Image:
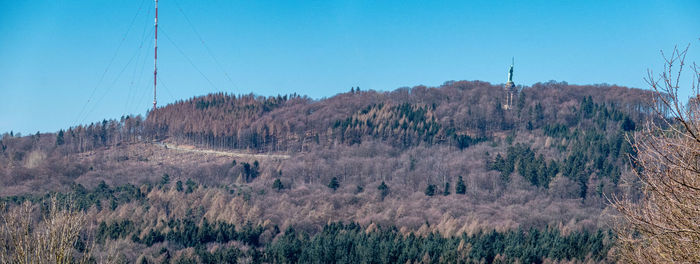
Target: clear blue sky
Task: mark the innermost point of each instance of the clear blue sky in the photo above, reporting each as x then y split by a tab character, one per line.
56	66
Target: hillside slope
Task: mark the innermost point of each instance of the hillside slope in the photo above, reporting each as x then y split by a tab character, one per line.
447	159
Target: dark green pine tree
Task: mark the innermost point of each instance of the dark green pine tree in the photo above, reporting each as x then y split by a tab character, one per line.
334	184
178	186
383	189
628	124
430	190
191	186
446	191
165	179
59	138
277	185
461	188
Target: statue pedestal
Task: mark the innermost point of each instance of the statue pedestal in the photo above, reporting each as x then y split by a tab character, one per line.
510	90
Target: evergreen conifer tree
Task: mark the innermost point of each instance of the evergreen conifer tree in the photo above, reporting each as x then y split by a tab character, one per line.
430	190
383	189
277	185
334	184
59	138
461	188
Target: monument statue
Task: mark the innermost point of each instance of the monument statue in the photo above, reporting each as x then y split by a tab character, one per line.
510	88
510	72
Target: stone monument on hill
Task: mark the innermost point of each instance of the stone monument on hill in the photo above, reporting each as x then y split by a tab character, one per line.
510	89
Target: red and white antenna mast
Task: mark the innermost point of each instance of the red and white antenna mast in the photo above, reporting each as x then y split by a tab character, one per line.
155	59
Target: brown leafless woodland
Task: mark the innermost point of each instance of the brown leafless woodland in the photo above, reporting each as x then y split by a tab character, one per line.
664	225
406	139
25	240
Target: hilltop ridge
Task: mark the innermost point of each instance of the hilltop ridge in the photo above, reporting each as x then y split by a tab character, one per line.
405	117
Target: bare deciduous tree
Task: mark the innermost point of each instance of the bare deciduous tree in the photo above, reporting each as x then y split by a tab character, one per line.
664	224
53	240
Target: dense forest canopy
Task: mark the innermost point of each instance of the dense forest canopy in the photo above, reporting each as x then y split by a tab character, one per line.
404	117
444	170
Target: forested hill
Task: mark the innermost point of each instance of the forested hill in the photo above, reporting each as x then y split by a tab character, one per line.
456	114
555	127
418	174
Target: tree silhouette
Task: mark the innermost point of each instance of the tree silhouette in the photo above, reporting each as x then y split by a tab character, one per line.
430	190
662	227
277	185
461	188
333	184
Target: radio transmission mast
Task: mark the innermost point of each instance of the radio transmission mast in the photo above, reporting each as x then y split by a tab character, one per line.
155	59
